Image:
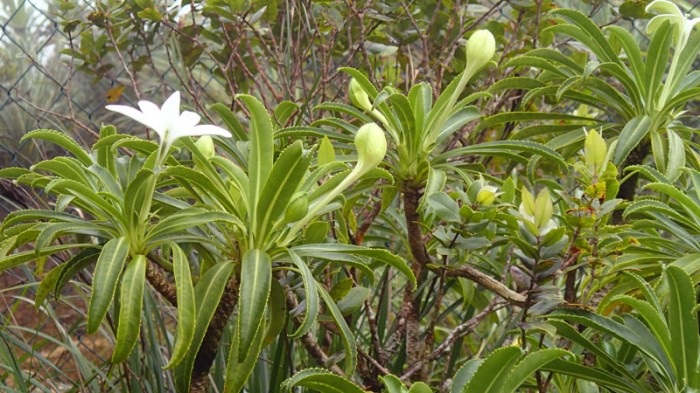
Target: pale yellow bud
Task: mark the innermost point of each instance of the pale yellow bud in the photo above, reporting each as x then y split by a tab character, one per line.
370	144
358	96
206	146
480	50
487	195
594	151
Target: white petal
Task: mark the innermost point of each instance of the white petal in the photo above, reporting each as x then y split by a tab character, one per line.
154	118
171	106
207	129
129	112
188	119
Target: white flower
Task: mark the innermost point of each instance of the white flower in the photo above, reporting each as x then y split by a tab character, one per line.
167	121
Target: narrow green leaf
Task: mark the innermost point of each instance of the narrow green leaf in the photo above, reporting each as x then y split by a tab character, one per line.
238	371
207	295
599	45
657	60
683	324
379	255
346	335
284	179
676	156
256	275
503	148
465	374
277	307
567	331
528	365
326	154
320	380
104	284
62	140
634	132
311	296
47	284
597	375
231	121
185	306
131	303
492	372
262	149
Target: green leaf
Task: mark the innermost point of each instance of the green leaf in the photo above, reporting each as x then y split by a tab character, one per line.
676	156
256	275
62	140
657	61
320	380
491	373
420	387
326	154
503	148
207	294
185	306
85	197
683	324
262	149
284	179
231	121
598	43
237	370
345	334
311	296
353	300
131	303
379	255
444	207
567	331
392	384
598	375
465	374
277	307
634	55
635	130
104	284
528	365
190	218
48	283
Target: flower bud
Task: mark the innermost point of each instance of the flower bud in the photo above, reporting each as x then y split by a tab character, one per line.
594	151
206	146
297	208
370	144
487	195
358	96
480	50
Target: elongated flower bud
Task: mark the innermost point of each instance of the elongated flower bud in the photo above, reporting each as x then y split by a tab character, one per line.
480	50
370	144
358	96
